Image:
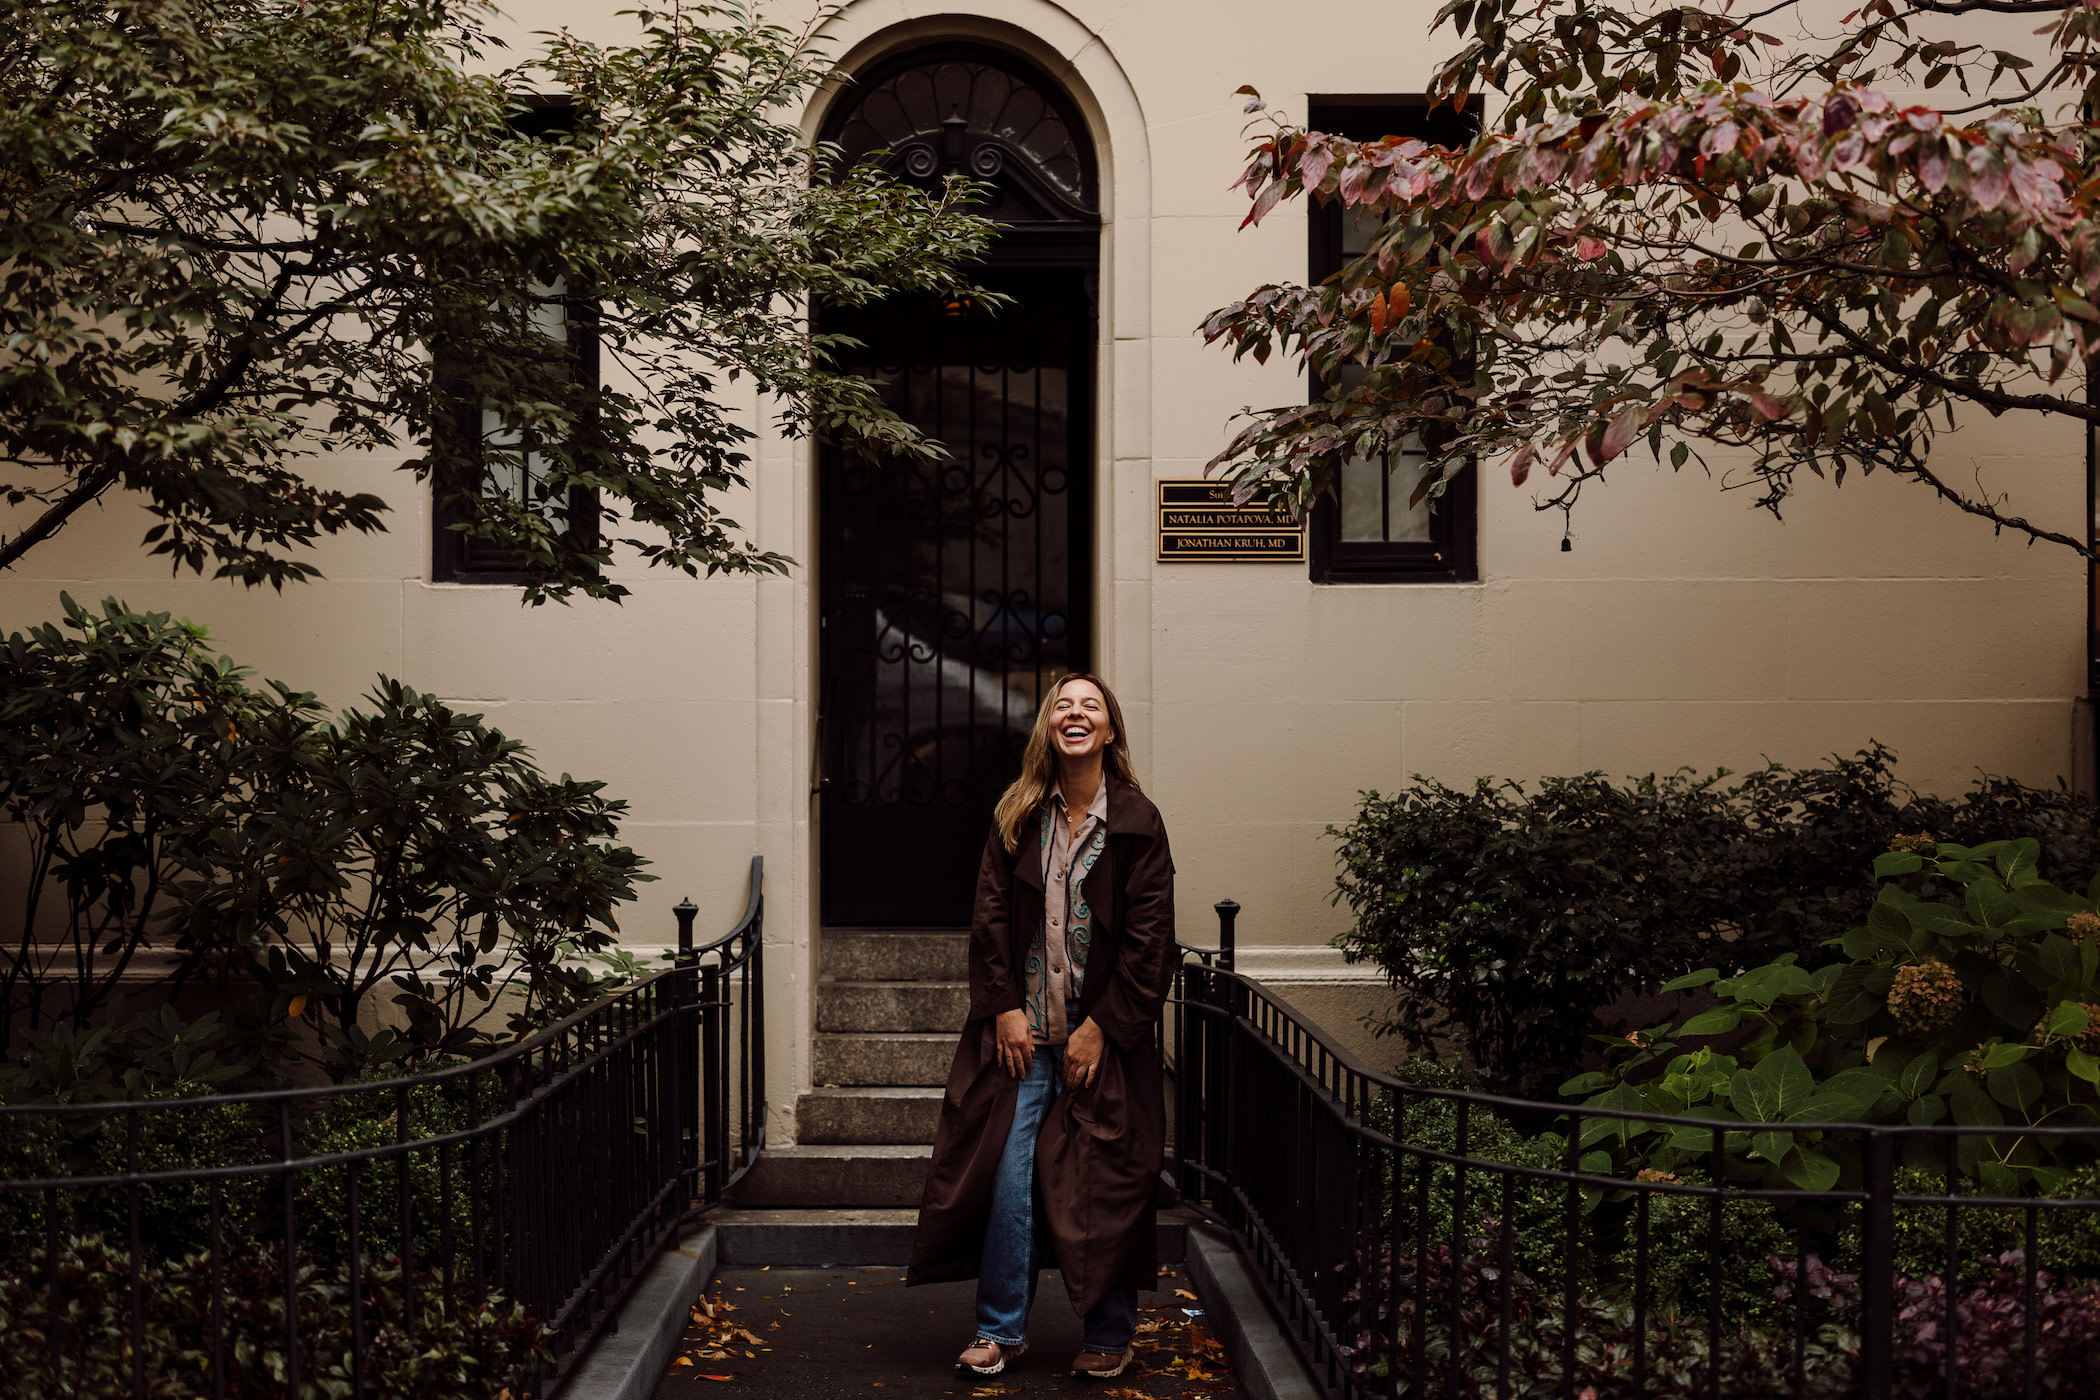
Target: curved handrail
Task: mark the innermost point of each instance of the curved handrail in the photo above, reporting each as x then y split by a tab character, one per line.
524	1049
1359	1070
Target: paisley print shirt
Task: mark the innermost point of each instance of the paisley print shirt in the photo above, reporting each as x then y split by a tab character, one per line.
1057	959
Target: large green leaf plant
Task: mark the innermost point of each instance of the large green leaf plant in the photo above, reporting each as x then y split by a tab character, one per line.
1967	997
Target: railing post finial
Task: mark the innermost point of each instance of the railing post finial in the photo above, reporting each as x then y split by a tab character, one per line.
1228	910
686	910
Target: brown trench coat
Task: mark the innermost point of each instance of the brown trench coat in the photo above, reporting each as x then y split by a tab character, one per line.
1099	1155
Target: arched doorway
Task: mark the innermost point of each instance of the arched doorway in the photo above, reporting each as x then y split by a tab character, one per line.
952	591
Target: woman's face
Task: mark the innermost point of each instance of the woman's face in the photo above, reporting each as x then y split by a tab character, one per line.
1079	720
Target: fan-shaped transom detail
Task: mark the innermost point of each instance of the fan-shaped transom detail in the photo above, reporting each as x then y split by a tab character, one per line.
963	110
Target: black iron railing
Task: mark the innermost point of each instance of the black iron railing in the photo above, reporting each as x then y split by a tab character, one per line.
1416	1242
549	1174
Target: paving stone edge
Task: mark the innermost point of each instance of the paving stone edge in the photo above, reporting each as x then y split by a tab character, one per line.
628	1360
1265	1363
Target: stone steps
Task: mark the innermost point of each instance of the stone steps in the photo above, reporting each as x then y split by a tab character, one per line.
892	1006
875	955
869	1058
889	1003
837	1177
889	1116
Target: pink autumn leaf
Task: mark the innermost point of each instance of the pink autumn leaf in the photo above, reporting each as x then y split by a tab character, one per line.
1769	407
1988	181
1316	164
1619	434
2037	190
1589	248
1520	464
1932	168
1263	203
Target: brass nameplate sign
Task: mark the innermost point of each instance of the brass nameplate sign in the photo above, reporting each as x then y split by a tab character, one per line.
1198	521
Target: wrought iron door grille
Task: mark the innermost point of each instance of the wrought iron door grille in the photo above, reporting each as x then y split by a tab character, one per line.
955	588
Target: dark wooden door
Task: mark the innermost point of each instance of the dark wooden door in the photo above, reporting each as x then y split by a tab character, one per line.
953	590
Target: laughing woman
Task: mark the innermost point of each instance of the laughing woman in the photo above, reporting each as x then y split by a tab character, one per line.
1057	1079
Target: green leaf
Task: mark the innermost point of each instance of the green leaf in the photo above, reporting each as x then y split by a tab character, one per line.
2020	861
1988	904
1692	979
1831	1105
1918	1075
1767	984
2041	897
1773	1147
2057	956
1938	919
1889	928
2083	1065
1620	1096
1718	1021
1849	1002
1770	1092
2011	1000
1972	1106
1998	1179
1893	863
1584	1084
1927	1110
2003	1055
1810	1170
2069	1018
2015	1086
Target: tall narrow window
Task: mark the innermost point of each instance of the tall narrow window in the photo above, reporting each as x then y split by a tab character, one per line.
1372	529
509	458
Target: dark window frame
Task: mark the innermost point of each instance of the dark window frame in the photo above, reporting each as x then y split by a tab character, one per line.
1451	554
460	558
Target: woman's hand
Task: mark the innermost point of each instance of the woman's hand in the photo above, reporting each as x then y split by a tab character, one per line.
1016	1045
1083	1055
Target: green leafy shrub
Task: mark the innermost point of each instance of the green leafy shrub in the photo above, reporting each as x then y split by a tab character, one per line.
1506	919
1681	1264
354	1122
402	851
1755	1357
1965	997
478	1352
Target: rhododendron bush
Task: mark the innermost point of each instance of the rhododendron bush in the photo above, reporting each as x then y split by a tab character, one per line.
1819	243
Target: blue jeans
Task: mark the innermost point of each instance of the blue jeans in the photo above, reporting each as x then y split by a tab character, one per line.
1007	1270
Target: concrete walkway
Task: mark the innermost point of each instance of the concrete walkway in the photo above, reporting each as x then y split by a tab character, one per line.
825	1334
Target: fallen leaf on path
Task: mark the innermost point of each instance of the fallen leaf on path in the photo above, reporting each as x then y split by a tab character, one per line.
986	1391
682	1361
705	1377
1184	1293
1126	1392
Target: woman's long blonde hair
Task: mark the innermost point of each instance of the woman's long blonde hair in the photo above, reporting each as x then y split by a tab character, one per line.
1039	761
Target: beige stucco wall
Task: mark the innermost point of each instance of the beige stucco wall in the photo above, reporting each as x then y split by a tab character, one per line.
1683	628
